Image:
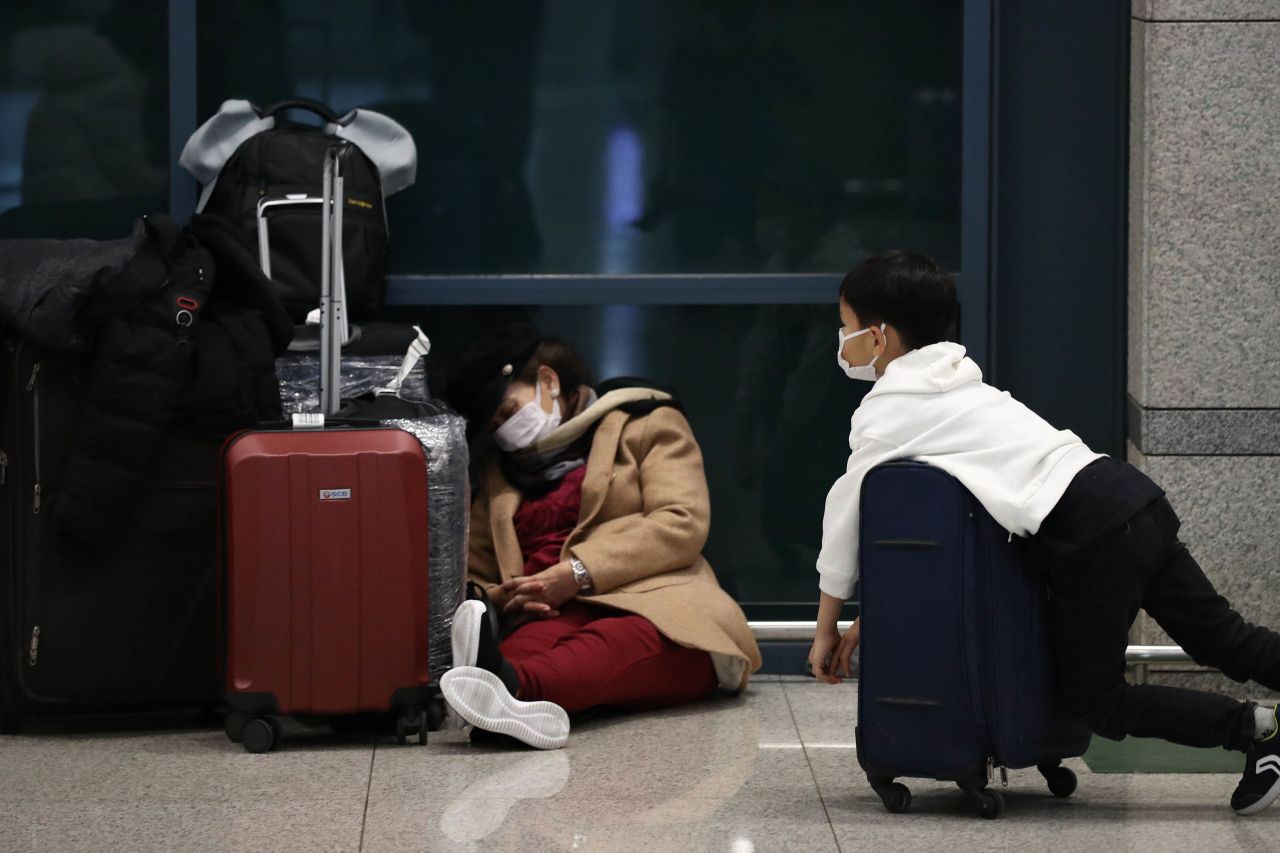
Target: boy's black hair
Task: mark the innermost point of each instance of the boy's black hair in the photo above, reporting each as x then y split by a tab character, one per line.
908	291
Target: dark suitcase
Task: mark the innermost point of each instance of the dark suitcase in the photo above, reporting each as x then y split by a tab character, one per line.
327	555
956	675
131	628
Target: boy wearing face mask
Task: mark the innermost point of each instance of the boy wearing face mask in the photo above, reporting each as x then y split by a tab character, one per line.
1101	531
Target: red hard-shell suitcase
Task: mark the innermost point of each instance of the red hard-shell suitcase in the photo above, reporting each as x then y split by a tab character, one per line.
326	552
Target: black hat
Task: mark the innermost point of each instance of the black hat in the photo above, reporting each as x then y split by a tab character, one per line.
480	376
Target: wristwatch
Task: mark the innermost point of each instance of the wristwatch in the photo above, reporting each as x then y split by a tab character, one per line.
580	575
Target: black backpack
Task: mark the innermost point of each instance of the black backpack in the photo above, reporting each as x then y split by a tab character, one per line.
273	183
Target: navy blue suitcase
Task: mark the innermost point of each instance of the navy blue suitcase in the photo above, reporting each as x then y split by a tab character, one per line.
956	672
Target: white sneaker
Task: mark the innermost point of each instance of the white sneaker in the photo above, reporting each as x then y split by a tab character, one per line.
465	632
481	699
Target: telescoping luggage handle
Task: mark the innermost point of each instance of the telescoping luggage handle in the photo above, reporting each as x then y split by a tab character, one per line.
265	206
333	290
333	285
334	326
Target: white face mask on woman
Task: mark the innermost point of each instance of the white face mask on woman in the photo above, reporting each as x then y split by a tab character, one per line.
529	424
865	372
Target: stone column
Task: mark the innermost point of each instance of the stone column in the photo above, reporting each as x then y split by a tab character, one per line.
1204	289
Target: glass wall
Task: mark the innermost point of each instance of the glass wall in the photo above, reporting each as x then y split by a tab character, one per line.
630	136
84	117
567	141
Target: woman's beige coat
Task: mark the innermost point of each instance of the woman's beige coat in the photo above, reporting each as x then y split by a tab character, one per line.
644	521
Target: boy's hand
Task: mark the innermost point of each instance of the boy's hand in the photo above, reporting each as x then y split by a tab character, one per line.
832	655
842	661
823	655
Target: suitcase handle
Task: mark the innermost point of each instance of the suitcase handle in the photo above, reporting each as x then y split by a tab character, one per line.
909	702
909	544
310	105
333	290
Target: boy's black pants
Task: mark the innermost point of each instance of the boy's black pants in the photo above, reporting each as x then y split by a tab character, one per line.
1094	599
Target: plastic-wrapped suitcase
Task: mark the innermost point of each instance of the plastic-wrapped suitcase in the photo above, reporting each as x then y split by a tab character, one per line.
326	550
392	392
956	671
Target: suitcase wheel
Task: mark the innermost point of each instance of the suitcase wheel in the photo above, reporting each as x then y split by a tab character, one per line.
411	723
895	795
989	804
436	714
233	724
897	799
261	734
1062	781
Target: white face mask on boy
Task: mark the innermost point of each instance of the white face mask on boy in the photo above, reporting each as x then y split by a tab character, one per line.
865	372
529	424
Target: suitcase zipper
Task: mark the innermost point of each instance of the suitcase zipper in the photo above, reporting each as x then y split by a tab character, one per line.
4	468
33	650
35	410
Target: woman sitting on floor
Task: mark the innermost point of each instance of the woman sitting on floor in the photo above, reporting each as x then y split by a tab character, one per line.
586	536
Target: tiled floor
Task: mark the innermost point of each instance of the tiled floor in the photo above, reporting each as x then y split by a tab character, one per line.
774	770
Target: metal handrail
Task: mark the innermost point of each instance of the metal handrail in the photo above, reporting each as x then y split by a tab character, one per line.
1156	654
788	632
799	631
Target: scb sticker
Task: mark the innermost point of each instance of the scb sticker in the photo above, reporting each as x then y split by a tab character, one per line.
335	494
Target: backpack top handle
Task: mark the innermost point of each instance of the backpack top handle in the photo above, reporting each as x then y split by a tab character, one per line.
308	104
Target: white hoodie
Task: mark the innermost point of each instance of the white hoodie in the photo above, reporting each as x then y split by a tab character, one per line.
932	405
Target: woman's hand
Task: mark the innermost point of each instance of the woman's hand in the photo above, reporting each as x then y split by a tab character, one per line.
495	596
540	596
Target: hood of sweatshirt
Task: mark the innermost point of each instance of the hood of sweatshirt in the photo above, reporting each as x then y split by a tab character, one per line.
933	370
928	370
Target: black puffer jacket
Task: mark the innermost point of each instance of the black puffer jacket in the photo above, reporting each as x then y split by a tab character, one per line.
244	329
45	283
187	335
142	320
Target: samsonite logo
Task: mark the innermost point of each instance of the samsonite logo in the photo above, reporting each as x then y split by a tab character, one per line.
335	494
